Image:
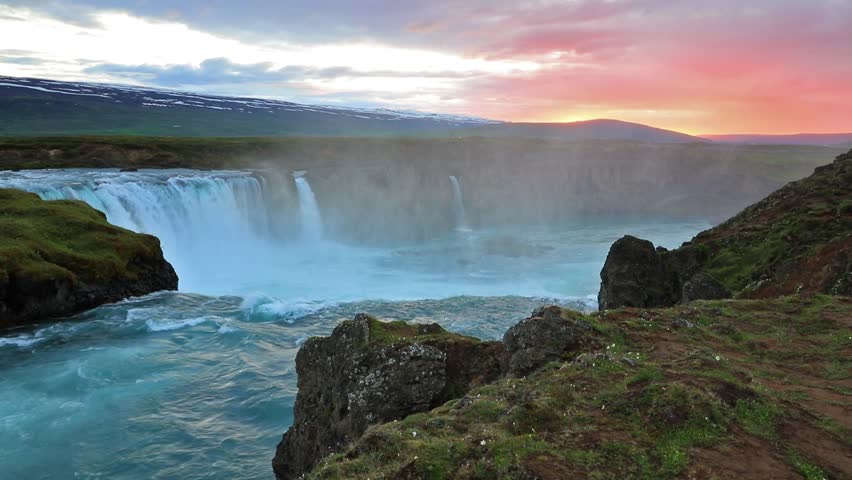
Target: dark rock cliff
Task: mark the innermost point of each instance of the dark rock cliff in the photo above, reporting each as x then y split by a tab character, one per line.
797	240
549	334
369	372
59	258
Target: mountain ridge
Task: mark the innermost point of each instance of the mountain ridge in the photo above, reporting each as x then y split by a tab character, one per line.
40	107
828	139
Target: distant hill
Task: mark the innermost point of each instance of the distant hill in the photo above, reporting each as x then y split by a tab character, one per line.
796	139
37	107
601	129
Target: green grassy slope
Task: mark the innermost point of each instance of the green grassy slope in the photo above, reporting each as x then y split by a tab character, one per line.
797	239
66	238
724	389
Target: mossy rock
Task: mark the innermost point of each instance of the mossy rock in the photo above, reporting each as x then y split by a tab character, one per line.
60	257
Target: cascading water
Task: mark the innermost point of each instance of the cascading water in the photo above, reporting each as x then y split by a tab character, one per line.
198	216
309	210
458	205
200	384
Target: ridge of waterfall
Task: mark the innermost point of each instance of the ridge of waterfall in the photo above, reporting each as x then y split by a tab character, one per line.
196	215
308	209
458	205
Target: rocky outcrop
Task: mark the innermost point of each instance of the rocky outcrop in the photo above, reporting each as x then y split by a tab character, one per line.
646	395
796	240
59	258
703	287
550	334
370	372
636	275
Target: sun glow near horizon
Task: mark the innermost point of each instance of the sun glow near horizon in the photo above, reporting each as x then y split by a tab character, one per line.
708	69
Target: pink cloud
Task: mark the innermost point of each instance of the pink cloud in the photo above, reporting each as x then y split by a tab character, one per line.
725	66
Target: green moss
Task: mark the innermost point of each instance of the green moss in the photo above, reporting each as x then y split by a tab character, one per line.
758	417
484	410
65	239
840	369
808	470
389	333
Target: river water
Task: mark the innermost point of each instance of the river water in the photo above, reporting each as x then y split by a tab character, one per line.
200	383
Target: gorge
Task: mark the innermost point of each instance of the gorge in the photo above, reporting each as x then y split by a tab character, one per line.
267	258
172	383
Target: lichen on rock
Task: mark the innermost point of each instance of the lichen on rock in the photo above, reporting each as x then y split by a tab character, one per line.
370	372
549	334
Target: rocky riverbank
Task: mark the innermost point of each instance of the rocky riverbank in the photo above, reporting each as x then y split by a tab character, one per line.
59	258
746	389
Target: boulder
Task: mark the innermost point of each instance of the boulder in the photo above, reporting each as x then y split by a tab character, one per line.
370	372
636	275
703	287
550	334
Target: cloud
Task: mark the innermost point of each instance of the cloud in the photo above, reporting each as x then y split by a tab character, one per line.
210	71
700	66
21	60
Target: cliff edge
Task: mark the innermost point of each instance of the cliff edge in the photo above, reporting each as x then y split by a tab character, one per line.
751	387
370	372
728	389
796	240
59	258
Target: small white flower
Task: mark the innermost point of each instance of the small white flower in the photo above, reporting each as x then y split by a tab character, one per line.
413	434
482	443
718	358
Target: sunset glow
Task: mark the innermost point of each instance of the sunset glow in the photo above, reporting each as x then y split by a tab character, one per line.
766	66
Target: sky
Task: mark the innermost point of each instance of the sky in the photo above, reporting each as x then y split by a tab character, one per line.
696	66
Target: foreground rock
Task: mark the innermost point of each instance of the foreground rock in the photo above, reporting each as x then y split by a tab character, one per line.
635	275
370	372
550	334
797	240
691	391
59	258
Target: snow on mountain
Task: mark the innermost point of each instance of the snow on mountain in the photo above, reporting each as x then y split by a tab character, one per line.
161	98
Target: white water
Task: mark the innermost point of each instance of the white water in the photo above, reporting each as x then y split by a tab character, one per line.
458	204
200	384
310	213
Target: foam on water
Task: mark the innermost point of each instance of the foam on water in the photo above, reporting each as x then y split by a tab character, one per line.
164	326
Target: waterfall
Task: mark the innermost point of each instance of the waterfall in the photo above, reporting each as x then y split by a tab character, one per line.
198	216
308	208
458	204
